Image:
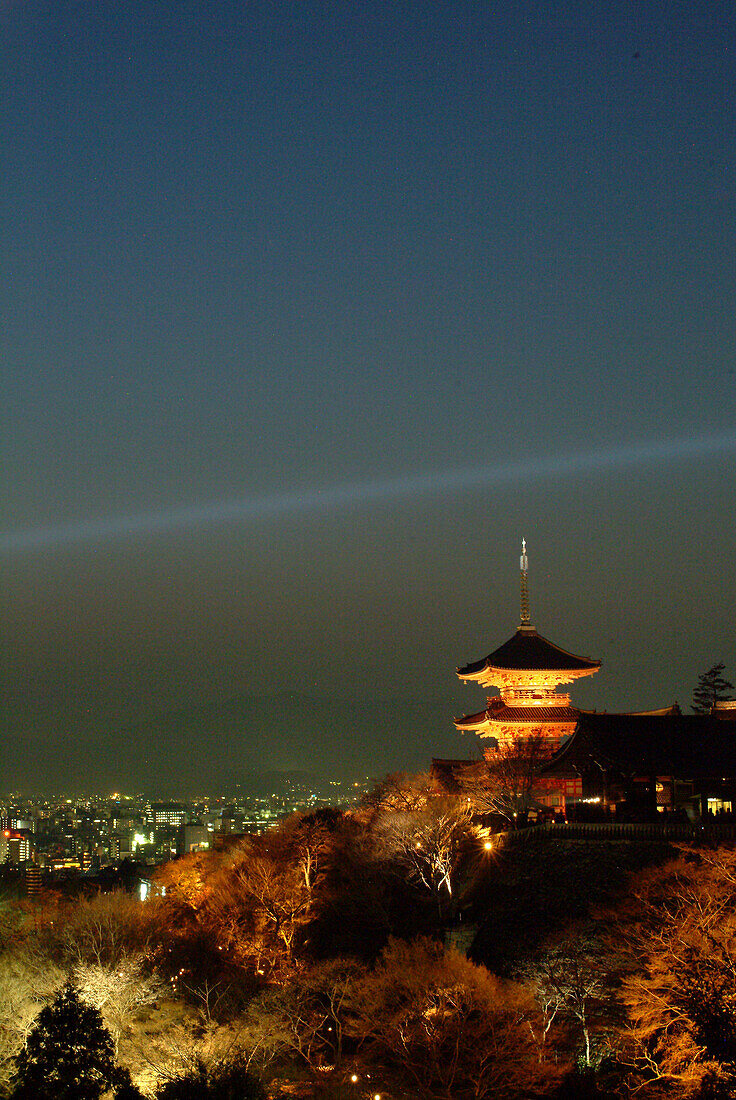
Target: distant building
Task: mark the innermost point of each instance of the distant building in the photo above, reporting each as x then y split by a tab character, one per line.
121	846
121	823
15	820
195	838
15	846
168	813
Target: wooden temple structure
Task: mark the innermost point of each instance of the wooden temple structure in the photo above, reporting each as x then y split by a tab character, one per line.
628	765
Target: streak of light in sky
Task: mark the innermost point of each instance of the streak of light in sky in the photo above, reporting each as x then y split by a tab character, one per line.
274	506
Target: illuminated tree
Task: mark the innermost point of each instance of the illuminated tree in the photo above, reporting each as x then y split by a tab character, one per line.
680	992
104	943
68	1053
571	983
118	991
364	896
307	1016
429	842
28	978
184	881
711	688
402	792
102	930
504	782
280	892
441	1027
310	838
423	834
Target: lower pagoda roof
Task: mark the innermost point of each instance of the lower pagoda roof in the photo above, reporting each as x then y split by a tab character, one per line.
529	651
504	715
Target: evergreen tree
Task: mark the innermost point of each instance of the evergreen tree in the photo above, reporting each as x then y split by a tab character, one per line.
68	1053
711	688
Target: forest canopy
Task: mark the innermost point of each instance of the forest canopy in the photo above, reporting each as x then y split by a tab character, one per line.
329	954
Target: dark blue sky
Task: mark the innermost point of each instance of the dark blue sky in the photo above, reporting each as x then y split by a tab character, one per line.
257	250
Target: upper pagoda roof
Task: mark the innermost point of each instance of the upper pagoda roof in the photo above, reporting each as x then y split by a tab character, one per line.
528	651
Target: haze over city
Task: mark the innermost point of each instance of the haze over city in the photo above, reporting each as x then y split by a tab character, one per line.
311	313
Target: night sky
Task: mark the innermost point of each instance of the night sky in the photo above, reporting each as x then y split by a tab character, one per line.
308	313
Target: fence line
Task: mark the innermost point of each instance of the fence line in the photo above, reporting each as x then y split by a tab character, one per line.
645	830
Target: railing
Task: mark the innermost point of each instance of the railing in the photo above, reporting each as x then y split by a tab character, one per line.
696	832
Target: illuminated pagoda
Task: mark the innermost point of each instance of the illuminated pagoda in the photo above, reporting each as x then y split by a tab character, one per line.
621	765
527	670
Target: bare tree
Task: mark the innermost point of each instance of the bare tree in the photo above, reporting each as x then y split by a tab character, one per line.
680	989
429	842
444	1027
506	782
571	982
102	930
119	990
401	792
308	1015
281	895
26	987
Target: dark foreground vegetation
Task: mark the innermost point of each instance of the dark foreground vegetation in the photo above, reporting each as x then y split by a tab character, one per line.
316	961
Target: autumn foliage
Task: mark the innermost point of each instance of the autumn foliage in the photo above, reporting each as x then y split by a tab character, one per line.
315	958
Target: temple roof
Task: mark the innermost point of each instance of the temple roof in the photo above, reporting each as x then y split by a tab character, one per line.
505	714
527	650
444	773
686	745
471	721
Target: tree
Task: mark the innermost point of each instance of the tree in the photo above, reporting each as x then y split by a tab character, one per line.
103	929
365	896
276	883
428	843
306	1017
571	981
118	991
226	1080
400	791
680	991
443	1027
28	978
504	782
711	688
68	1053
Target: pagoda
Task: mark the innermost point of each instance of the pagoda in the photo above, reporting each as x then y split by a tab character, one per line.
527	670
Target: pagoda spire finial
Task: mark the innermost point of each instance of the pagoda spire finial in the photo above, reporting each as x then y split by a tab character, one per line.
525	620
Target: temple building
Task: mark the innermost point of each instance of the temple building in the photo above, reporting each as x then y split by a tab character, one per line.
627	764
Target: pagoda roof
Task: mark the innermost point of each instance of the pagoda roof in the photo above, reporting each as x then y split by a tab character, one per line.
528	651
472	721
686	745
505	714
